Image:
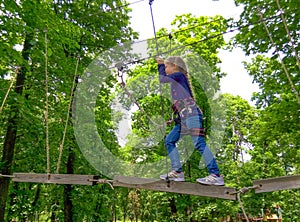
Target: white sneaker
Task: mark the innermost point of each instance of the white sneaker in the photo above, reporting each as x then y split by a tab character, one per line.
212	179
173	176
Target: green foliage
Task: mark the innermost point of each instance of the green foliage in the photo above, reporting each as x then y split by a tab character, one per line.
274	67
66	30
257	142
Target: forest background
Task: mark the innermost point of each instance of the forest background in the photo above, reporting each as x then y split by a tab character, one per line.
47	46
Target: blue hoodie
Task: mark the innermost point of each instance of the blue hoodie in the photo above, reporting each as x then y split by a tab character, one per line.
179	84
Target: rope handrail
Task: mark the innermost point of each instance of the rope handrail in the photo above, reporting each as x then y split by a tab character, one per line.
278	54
288	33
6	95
123	86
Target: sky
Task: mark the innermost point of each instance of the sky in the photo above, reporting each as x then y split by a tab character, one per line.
237	81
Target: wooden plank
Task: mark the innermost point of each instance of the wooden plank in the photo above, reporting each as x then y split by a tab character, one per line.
55	178
176	187
277	183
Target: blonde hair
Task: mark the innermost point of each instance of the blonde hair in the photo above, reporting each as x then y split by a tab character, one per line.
182	67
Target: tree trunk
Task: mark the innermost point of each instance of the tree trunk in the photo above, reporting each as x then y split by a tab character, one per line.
11	132
173	208
68	204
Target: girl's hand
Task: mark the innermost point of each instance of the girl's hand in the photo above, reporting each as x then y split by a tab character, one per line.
159	60
169	121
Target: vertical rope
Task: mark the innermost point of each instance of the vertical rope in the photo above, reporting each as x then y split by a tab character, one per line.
160	89
47	106
153	24
67	119
242	191
288	33
170	38
242	206
278	54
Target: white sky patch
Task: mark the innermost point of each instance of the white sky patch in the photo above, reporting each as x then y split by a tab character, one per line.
18	47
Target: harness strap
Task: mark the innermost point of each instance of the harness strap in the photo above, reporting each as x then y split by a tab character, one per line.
193	132
183	104
186	106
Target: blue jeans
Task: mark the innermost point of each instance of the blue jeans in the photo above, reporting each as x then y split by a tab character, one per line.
198	141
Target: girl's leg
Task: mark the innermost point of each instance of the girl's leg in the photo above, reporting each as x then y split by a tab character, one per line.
207	155
170	142
201	146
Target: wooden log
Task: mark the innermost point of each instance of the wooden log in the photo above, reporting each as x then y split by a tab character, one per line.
277	183
75	179
176	187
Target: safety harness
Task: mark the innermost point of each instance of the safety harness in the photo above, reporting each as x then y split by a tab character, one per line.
183	105
183	108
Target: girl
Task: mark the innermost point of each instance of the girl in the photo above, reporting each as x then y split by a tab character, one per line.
189	120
